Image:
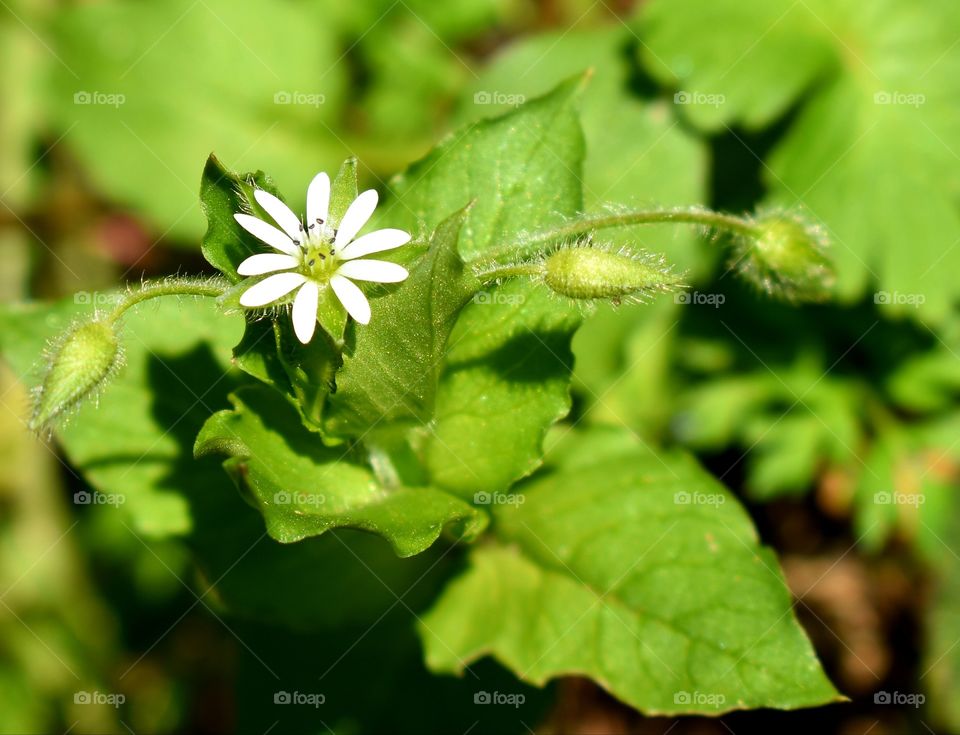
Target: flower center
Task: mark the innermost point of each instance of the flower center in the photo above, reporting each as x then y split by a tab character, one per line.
317	261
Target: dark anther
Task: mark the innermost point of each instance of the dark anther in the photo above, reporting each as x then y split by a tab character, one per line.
311	261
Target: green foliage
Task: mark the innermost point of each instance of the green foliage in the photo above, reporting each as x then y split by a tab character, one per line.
379	453
145	99
509	358
304	488
134	446
789	424
392	367
638	156
640	571
874	84
123	443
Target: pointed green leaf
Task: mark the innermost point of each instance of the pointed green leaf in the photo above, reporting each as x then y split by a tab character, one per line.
392	365
304	488
638	570
222	194
508	366
343	190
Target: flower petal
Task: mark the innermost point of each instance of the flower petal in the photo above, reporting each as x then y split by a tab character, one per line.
318	199
257	265
305	311
281	213
379	271
352	298
356	217
374	242
271	289
266	233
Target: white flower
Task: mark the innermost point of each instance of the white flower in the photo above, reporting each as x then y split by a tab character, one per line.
315	256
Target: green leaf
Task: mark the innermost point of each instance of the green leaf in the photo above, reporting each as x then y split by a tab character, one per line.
508	361
122	443
622	353
222	194
310	368
791	420
304	488
639	157
168	81
926	381
136	442
640	571
905	486
391	367
735	61
880	80
343	190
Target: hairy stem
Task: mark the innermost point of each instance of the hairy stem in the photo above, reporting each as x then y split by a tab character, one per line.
577	228
494	272
179	286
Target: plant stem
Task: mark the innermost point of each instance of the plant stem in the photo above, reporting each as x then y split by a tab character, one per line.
495	272
178	286
586	225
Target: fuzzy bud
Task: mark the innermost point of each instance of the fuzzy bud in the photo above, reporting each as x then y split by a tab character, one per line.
77	365
787	258
585	272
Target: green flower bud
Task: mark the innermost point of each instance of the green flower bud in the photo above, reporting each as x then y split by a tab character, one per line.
585	272
786	258
78	364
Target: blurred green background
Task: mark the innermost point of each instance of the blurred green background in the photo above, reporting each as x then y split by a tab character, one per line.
838	424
